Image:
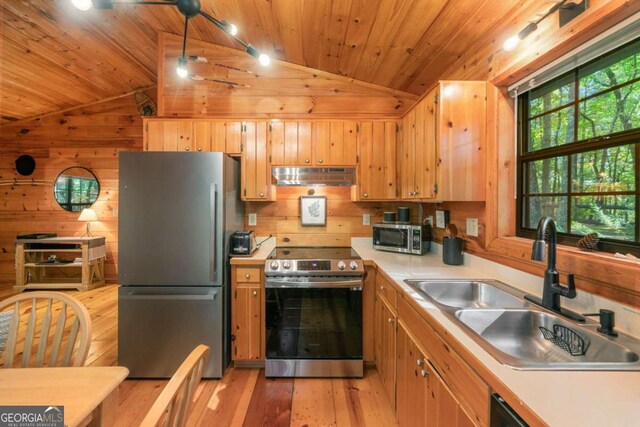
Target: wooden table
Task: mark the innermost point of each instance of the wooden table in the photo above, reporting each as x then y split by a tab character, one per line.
89	395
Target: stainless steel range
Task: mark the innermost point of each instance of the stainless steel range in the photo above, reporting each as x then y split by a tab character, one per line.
314	312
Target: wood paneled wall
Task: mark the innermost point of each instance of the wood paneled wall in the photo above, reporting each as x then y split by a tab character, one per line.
91	137
281	90
344	217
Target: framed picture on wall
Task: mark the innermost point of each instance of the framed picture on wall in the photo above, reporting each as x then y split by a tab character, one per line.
313	210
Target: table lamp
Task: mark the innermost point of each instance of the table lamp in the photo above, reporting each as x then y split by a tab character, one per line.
88	215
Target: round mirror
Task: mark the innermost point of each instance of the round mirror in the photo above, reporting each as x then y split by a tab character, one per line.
76	188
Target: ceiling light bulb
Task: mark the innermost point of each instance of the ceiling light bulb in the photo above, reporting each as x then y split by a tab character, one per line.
511	43
83	5
182	68
233	30
264	59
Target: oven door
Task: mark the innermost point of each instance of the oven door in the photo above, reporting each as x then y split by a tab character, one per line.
314	319
392	238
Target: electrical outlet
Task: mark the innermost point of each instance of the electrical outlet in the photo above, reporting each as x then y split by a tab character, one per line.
366	219
253	220
472	227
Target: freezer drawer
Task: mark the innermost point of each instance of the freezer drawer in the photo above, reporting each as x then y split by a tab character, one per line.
159	326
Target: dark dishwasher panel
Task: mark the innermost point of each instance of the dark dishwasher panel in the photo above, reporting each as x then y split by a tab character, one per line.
502	415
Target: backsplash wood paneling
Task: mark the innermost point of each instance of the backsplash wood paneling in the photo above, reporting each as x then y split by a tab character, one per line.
91	137
344	217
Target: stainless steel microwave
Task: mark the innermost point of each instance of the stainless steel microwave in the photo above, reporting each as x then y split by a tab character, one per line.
403	238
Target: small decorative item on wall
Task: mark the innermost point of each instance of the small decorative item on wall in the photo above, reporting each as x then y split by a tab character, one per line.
442	218
313	210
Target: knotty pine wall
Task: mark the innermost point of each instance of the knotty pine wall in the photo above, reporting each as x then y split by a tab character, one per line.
344	217
91	137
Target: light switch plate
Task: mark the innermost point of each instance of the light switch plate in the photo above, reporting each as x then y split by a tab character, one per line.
472	227
366	219
253	220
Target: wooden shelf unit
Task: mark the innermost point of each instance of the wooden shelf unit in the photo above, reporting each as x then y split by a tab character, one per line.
30	272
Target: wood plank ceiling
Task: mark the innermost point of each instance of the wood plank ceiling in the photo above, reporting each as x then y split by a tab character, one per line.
54	56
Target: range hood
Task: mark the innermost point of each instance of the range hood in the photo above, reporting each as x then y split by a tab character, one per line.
334	177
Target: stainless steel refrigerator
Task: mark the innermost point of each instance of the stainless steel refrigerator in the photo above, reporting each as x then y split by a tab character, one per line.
177	213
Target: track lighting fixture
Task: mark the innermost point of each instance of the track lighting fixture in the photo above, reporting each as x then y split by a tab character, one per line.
189	9
568	11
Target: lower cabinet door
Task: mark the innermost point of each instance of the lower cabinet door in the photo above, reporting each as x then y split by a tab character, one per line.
247	310
411	383
443	409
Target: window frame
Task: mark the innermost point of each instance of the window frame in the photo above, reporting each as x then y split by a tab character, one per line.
570	149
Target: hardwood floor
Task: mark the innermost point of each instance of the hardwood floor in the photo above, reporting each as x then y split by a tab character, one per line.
243	397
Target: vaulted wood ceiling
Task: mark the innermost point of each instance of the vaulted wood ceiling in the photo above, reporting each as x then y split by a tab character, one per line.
55	57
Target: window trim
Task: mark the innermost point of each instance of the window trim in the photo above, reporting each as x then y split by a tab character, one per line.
576	147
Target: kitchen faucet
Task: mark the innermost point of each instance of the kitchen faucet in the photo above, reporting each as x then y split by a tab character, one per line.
552	290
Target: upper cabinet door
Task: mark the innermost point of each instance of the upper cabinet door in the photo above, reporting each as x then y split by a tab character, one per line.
407	156
377	172
218	137
256	167
461	146
153	135
335	143
168	135
304	155
425	148
233	141
202	136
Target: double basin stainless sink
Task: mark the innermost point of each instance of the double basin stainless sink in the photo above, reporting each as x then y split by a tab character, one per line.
525	336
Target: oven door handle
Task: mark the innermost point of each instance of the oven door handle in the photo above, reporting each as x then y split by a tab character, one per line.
281	284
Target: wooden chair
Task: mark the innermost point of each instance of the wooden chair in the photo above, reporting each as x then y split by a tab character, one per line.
35	331
172	407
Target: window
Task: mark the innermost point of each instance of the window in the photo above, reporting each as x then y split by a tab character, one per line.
579	143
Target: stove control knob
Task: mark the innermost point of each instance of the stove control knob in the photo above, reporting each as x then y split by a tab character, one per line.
274	265
341	265
286	265
353	265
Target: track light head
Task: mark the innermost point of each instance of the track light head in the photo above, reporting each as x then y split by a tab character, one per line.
229	28
82	5
182	70
513	41
263	58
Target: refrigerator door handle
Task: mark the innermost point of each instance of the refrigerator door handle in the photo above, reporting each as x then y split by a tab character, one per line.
174	297
214	231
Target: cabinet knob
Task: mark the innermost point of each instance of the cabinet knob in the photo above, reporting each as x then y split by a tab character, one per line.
411	193
365	195
255	293
247	275
424	373
415	193
319	160
261	194
199	148
382	288
187	149
390	320
306	160
420	362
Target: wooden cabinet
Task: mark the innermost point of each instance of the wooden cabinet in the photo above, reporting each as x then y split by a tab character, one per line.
461	132
442	153
256	167
412	387
334	143
291	143
377	146
443	409
247	313
417	153
385	341
168	135
193	135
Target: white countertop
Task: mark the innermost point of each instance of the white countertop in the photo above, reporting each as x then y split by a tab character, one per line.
560	398
260	255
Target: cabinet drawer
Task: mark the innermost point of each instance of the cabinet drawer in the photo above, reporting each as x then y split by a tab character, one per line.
469	388
248	274
386	289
